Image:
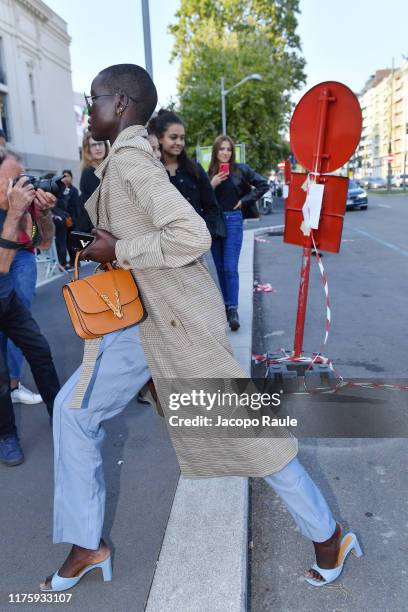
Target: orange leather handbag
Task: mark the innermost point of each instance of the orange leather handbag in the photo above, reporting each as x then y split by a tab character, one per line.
103	302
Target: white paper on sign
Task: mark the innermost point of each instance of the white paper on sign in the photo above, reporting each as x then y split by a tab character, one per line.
285	191
313	205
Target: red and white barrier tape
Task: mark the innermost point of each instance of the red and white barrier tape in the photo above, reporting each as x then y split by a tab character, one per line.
326	291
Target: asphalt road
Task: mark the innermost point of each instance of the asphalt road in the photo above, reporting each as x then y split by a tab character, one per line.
364	480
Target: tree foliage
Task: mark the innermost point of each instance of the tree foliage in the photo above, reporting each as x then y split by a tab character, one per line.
235	38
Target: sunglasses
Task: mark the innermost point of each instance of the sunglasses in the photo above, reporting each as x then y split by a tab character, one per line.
89	100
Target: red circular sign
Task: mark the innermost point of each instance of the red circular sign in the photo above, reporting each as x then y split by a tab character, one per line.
325	127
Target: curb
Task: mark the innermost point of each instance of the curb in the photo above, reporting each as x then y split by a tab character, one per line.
203	561
271	230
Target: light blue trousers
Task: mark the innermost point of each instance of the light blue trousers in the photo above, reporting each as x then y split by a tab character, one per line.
79	494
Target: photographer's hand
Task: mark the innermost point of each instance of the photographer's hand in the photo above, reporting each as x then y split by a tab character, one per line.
44	200
44	203
102	249
19	199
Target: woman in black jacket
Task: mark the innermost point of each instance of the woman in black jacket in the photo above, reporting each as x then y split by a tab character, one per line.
185	174
236	186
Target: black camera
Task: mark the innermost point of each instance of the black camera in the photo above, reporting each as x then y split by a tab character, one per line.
54	185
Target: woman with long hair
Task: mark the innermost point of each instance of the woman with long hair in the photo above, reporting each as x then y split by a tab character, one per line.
236	187
185	174
93	152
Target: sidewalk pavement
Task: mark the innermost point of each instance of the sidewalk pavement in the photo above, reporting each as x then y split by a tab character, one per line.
203	561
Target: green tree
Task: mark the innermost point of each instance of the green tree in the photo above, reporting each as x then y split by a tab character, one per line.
234	38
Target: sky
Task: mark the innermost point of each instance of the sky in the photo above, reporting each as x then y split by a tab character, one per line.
342	40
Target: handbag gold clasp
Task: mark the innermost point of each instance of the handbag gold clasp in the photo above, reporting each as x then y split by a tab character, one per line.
117	310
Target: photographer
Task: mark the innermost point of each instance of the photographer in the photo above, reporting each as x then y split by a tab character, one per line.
16	322
24	274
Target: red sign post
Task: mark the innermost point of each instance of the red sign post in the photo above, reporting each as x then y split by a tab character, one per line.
324	132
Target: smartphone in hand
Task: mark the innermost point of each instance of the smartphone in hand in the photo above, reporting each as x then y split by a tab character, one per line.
224	167
78	241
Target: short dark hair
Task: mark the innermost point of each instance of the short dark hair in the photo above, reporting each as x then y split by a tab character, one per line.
137	83
67	172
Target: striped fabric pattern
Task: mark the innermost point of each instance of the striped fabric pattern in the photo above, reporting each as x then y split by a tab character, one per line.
160	238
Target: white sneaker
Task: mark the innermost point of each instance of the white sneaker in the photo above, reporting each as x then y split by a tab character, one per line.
22	395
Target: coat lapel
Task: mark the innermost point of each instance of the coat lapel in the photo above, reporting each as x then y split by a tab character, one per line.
92	204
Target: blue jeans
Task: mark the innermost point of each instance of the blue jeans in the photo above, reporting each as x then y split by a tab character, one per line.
24	273
225	252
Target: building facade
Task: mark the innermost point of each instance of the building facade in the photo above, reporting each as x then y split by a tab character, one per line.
36	97
384	105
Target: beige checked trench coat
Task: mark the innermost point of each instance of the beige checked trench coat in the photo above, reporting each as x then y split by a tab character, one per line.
160	237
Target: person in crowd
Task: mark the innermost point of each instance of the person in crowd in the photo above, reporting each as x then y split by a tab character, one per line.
236	186
70	197
16	321
23	272
154	143
64	213
93	153
184	173
148	227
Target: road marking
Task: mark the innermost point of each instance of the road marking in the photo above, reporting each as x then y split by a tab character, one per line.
383	206
394	247
278	332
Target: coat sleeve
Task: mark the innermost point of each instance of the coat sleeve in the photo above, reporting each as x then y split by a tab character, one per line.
179	235
209	204
255	180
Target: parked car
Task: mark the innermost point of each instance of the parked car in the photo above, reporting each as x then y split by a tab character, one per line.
401	179
376	182
372	182
356	196
363	181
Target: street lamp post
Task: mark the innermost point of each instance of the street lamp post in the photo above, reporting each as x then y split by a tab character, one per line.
225	92
146	37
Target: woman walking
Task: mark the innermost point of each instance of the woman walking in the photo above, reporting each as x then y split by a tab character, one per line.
237	187
185	174
148	227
